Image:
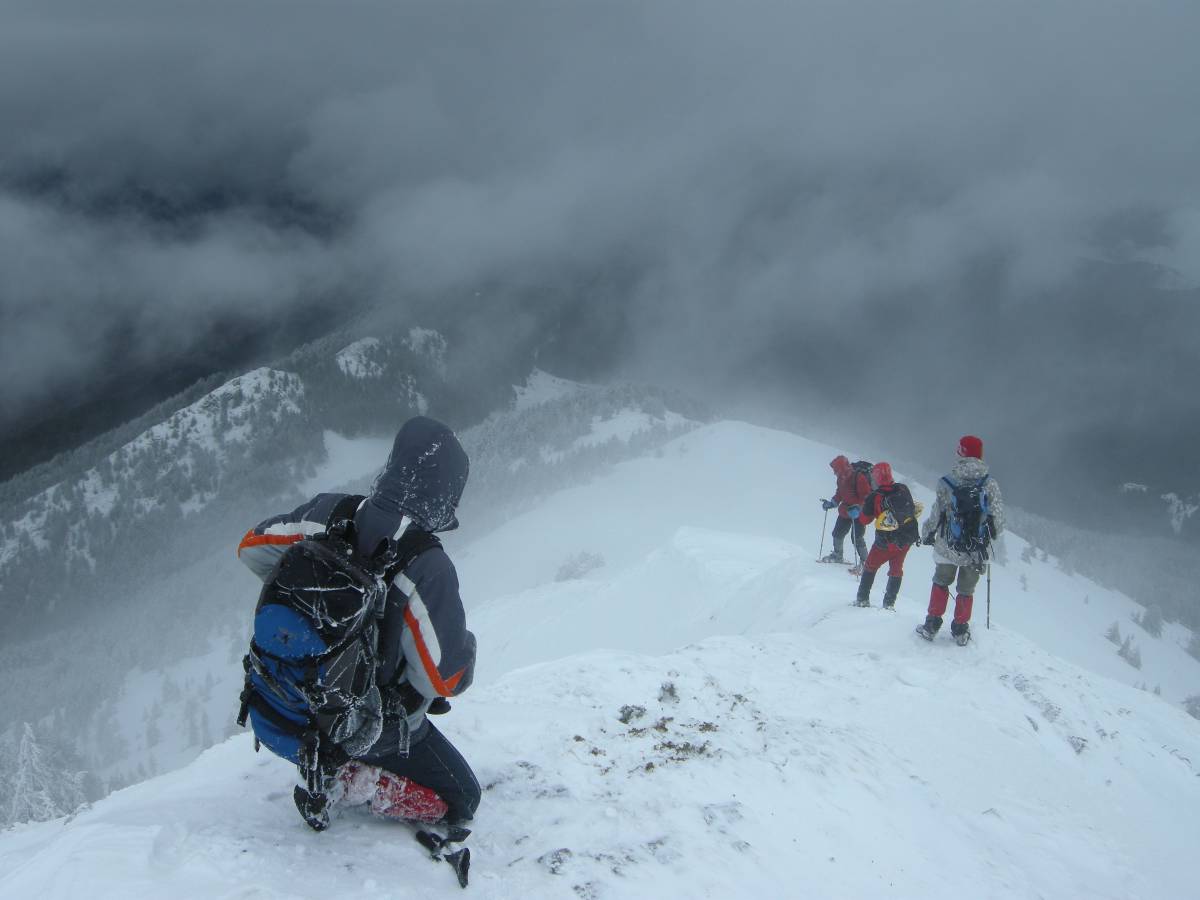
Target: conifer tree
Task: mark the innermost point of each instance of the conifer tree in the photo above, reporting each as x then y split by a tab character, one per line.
41	788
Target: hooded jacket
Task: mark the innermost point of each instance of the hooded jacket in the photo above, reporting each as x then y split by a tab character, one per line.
425	648
852	485
880	501
967	469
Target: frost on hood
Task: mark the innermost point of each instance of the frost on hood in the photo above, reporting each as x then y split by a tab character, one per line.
424	478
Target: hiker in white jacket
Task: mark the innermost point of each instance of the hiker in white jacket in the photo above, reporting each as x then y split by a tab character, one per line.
963	536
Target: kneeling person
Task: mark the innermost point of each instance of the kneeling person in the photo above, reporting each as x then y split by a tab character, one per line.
405	768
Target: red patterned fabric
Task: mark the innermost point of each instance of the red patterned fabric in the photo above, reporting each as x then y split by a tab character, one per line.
398	798
388	796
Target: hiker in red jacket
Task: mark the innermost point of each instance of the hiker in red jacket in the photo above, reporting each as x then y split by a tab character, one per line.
853	486
892	508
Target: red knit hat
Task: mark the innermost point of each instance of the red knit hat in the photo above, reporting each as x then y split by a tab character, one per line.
969	445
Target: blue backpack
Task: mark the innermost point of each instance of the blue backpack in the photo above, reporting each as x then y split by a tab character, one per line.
311	692
968	526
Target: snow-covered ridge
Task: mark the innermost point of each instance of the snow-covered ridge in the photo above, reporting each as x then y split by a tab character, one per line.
792	765
557	432
542	387
178	460
688	542
790	728
430	344
358	359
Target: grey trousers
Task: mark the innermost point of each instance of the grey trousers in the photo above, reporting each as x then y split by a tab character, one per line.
968	577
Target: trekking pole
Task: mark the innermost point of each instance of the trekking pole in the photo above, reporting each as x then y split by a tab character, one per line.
824	522
989	597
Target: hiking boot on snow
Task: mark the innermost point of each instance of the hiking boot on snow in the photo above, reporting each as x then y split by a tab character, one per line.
864	589
929	628
832	558
961	632
313	807
893	589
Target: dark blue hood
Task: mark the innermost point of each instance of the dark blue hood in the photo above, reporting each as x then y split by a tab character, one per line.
423	479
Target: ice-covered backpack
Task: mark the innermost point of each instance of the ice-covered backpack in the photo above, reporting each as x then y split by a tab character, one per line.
967	528
311	692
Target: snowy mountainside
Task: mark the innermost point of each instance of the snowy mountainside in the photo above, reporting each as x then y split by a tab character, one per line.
557	433
249	438
131	708
186	453
674	699
666	520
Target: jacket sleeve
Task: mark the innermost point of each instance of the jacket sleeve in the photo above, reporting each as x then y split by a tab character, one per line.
437	649
263	544
872	505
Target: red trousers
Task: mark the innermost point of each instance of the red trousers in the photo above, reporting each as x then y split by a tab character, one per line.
892	554
939	597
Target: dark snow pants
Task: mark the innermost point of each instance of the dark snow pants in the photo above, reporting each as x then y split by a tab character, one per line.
840	528
431	762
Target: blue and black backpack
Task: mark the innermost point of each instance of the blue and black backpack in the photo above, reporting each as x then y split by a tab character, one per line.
311	693
968	526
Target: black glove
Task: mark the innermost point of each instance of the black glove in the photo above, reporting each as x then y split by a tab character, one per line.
828	504
439	707
930	541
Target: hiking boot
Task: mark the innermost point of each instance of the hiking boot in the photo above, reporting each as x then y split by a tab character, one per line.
864	589
313	807
961	632
832	558
893	589
929	628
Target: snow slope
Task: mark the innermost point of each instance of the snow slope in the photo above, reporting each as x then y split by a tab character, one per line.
702	714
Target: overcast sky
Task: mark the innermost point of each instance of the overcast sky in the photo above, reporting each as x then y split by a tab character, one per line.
898	208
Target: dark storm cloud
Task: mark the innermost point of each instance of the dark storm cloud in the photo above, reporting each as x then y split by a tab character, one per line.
756	172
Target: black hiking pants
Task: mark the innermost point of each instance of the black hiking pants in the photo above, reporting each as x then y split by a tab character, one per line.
431	762
840	527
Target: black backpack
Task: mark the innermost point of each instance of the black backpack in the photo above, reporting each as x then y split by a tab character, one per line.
900	504
311	693
968	526
863	467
